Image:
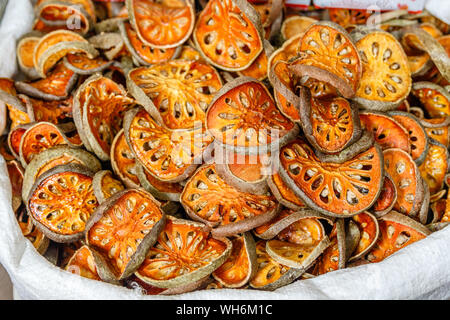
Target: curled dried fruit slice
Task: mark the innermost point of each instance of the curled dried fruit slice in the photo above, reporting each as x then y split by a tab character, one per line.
137	284
438	129
334	256
406	176
56	112
388	133
56	86
184	253
330	125
14	137
144	54
105	185
435	166
283	193
160	190
80	63
270	274
162	23
52	157
327	46
387	198
30	232
105	103
386	79
370	231
340	190
111	44
417	136
123	161
228	34
347	17
240	266
168	155
243	118
124	228
183	102
62	201
41	136
295	25
396	232
16	175
434	98
24	49
209	199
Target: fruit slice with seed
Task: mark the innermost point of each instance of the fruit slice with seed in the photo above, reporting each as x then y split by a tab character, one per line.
334	256
369	229
438	129
348	17
283	193
435	166
387	198
160	190
123	162
434	98
80	63
105	185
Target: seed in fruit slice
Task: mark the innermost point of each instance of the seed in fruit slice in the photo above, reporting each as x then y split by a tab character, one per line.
62	201
396	232
438	129
243	118
240	266
336	189
295	25
434	98
16	175
182	103
330	125
123	162
183	253
105	185
369	230
160	190
209	199
406	176
435	166
168	155
228	34
388	133
348	17
283	193
124	228
387	198
270	274
80	63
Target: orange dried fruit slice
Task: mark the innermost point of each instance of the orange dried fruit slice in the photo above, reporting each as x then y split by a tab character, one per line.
434	98
283	193
369	230
14	137
123	161
347	17
80	63
388	133
335	189
258	69
228	34
182	103
16	175
125	227
188	52
184	253
243	118
406	176
30	232
105	185
438	129
334	256
295	25
162	24
168	155
387	198
164	191
62	201
435	166
240	266
330	125
24	49
56	112
209	199
396	232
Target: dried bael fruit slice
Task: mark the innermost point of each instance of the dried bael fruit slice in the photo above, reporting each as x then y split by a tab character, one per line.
14	137
283	193
406	176
370	231
55	156
105	103
88	263
209	199
240	266
396	232
144	288
386	79
24	49
56	86
41	136
270	274
438	129
387	198
110	44
162	23
30	232
330	125
434	98
80	63
295	25
16	175
124	228
417	136
388	133
144	54
340	190
243	118
105	185
182	103
168	155
183	254
348	17
56	112
228	34
334	256
435	166
62	201
123	162
258	69
160	190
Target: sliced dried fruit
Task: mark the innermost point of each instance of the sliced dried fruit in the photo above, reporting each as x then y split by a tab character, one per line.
125	227
406	176
258	69
160	190
80	63
62	201
15	173
56	112
14	137
209	199
123	161
387	198
438	129
295	25
30	232
243	117
168	155
184	253
111	44
228	34
24	49
435	166
368	227
162	24
240	266
434	98
105	185
334	256
348	17
283	193
183	102
396	232
340	190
